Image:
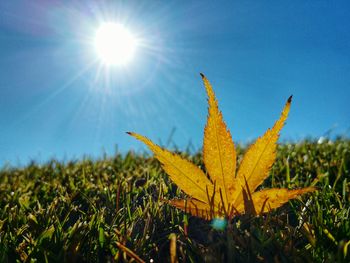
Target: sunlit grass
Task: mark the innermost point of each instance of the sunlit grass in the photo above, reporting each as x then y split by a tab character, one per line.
111	209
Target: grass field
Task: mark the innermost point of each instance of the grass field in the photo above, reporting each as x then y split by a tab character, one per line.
111	210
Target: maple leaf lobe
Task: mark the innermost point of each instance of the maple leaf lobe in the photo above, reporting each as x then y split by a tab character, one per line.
219	154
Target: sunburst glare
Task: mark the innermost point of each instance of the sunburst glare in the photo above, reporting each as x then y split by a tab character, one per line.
114	44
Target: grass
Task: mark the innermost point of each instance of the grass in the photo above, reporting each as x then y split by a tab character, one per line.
111	210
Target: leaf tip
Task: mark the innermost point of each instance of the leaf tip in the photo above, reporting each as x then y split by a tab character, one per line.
311	189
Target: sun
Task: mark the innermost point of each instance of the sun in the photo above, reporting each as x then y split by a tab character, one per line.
114	44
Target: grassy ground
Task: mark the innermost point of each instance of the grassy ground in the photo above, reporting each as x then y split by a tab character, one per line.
111	210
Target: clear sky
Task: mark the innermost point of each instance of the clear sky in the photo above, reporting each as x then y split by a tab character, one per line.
58	100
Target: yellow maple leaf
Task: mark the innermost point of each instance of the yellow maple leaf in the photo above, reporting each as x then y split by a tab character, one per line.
226	192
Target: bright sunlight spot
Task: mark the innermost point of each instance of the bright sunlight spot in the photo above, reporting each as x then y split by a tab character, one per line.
114	44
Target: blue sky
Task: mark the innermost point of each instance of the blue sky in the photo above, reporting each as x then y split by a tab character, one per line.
56	100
